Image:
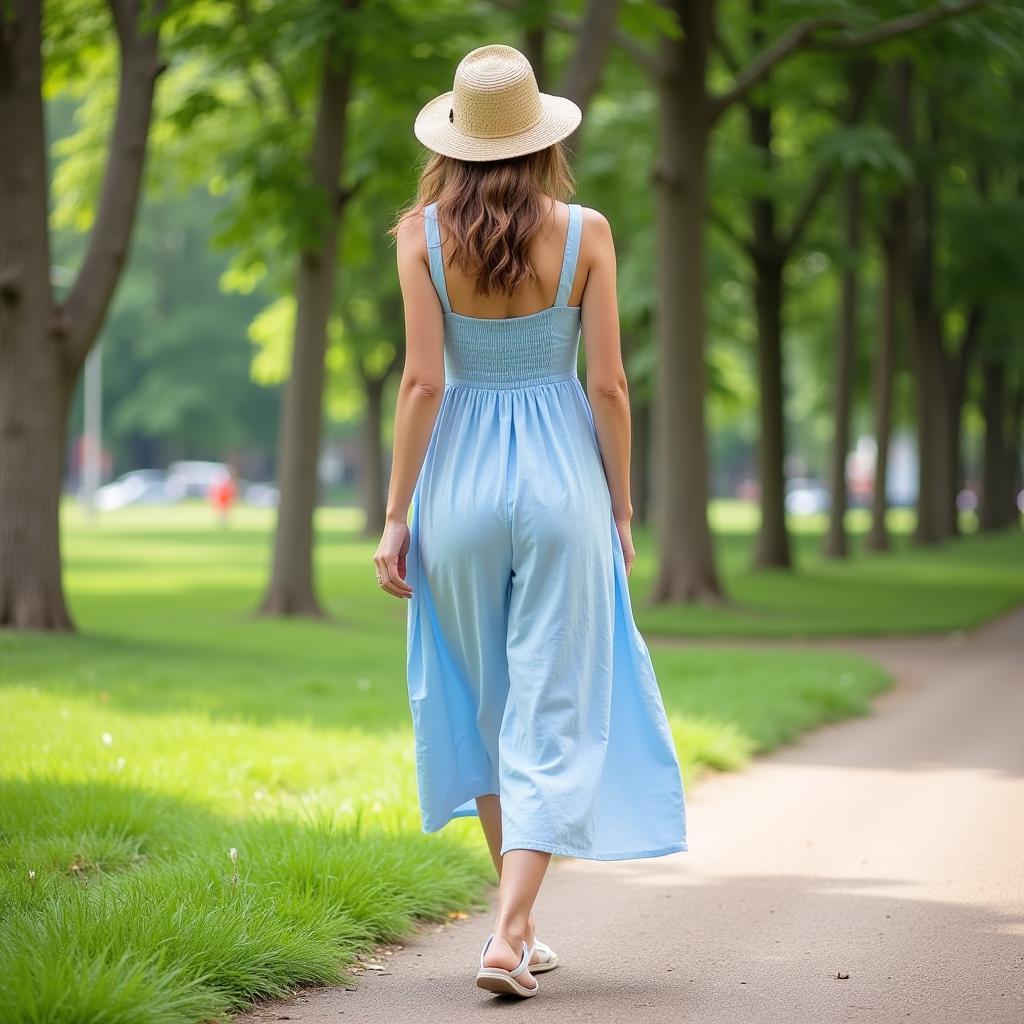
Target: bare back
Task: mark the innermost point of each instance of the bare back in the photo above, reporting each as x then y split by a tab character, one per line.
546	255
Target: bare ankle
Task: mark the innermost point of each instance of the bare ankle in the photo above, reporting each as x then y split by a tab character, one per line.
515	937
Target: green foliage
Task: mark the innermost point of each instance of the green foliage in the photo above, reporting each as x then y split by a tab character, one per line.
234	118
648	21
175	354
866	147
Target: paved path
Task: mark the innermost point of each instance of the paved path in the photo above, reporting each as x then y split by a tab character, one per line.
889	848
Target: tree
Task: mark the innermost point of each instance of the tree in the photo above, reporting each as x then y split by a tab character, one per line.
770	249
176	381
846	348
963	277
290	590
893	305
43	342
772	246
373	337
688	111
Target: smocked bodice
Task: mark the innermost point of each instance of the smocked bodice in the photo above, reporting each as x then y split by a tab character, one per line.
510	352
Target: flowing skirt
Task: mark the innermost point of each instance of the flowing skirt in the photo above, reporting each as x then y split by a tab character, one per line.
527	675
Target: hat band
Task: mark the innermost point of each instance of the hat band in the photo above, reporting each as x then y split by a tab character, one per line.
495	135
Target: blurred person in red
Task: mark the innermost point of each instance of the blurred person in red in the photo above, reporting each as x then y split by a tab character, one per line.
222	496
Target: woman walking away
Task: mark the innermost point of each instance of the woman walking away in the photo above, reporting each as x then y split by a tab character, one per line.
534	702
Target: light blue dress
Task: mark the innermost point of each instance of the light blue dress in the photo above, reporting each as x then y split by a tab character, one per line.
527	674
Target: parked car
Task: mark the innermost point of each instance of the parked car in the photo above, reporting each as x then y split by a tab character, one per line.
806	497
193	479
264	495
139	487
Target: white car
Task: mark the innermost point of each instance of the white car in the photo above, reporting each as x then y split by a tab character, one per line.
805	497
139	487
193	479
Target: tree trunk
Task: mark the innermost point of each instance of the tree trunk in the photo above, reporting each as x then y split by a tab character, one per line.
835	539
957	369
954	474
535	48
686	570
1014	470
639	462
995	485
374	498
883	369
772	550
932	431
892	314
933	521
590	55
42	344
34	420
640	466
769	259
33	387
291	590
587	62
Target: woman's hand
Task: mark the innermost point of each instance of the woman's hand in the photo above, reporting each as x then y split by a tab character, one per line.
626	537
390	558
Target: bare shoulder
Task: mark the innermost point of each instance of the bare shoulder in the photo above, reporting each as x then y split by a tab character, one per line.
597	232
410	236
595	217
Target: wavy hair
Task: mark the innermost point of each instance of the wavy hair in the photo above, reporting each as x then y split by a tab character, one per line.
493	209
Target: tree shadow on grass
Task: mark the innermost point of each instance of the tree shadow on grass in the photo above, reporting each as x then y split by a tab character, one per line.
360	686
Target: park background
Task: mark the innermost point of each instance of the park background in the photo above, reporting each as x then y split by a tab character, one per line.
207	790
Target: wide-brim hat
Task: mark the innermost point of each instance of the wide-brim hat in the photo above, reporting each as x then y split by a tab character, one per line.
495	110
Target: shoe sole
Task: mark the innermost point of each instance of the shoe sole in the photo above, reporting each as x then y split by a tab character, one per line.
547	965
501	983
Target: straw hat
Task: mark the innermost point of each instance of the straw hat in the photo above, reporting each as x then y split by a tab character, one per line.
495	111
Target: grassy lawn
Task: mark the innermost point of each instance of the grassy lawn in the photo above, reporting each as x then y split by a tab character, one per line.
911	589
178	727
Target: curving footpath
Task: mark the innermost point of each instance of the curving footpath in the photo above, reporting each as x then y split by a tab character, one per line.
888	849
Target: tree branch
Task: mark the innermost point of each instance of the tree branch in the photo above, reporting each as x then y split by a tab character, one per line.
863	79
807	34
643	58
971	335
82	312
725	51
792	40
636	51
901	26
270	59
593	40
720	221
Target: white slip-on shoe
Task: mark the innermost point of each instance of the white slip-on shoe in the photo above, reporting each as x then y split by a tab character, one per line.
548	957
497	979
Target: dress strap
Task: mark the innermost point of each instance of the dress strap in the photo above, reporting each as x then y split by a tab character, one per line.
435	255
572	252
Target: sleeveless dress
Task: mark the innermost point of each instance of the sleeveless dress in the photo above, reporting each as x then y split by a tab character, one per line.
527	674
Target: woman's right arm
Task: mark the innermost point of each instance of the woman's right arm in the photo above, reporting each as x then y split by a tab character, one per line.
607	388
419	399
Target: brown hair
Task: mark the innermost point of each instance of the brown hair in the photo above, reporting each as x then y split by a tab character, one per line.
493	209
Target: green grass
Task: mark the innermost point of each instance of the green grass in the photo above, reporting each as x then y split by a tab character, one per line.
911	589
178	726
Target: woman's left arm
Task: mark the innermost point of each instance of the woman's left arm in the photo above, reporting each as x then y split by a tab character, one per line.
419	399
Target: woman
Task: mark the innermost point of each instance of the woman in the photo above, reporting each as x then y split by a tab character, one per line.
533	699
